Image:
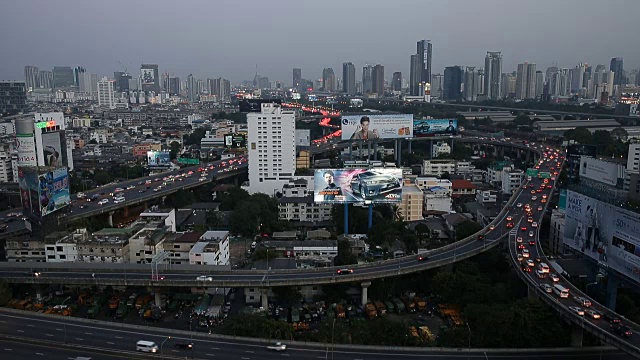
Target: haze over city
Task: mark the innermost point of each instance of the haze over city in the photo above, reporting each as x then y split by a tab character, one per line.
229	38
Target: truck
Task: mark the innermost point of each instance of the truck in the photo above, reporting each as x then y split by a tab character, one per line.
421	304
382	310
409	305
400	308
371	311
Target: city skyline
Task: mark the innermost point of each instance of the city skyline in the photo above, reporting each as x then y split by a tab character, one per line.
228	56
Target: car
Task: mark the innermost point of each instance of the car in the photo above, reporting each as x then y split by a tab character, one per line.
82	206
543	201
539	208
204	278
119	200
533	192
142	190
547	288
582	301
549	187
554	277
612	319
520	246
534	224
525	253
157	189
540	274
183	345
539	190
577	310
509	218
530	220
519	257
422	257
532	242
277	347
622	330
519	205
157	277
534	198
371	184
593	314
525	268
530	233
202	179
345	271
523	228
530	263
131	187
544	196
118	190
103	201
519	239
491	227
510	225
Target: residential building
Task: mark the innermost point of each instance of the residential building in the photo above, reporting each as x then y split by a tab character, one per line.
348	78
494	172
412	203
105	93
470	86
367	84
453	78
88	83
396	82
211	249
108	245
511	180
297	205
556	232
297	82
25	250
192	89
45	79
6	166
427	183
306	253
377	80
438	167
31	77
147	243
63	77
329	79
617	67
271	134
437	200
462	187
440	148
526	81
180	247
13	97
486	196
493	75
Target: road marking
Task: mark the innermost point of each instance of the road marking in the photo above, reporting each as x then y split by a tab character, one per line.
30	325
88	333
5	349
110	343
215	348
79	339
20	331
211	355
59	330
250	352
48	334
41	354
118	337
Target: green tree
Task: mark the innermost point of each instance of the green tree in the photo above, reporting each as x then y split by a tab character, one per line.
582	135
181	198
231	199
522	120
602	139
467	228
175	149
345	254
620	134
257	326
421	230
195	137
287	295
102	177
5	292
214	220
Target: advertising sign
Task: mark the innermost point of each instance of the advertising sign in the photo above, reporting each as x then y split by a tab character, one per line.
188	161
358	185
148	76
577	150
377	126
26	147
598	170
433	127
158	158
29	194
54	153
235	141
562	201
603	232
54	190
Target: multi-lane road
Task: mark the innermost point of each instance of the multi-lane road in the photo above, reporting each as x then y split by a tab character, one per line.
99	335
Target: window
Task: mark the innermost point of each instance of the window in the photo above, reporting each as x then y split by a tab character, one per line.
59	248
63	257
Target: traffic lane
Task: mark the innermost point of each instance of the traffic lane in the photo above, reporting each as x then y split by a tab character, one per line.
14	350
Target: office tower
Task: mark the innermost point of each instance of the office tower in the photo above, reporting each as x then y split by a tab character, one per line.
618	69
272	143
121	81
45	79
526	81
551	70
470	86
105	93
508	86
565	82
219	87
453	76
31	78
297	80
13	97
150	78
539	84
415	73
424	51
437	85
77	71
600	67
192	91
493	75
174	86
377	80
87	83
263	82
348	78
63	77
479	83
328	79
577	78
367	85
164	81
396	82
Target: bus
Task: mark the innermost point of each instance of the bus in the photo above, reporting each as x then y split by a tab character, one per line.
561	291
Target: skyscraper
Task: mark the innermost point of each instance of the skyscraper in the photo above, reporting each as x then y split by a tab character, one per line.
174	86
87	83
396	81
348	78
377	80
415	74
328	79
493	75
105	93
424	51
297	80
31	77
63	77
45	79
13	97
453	76
121	81
77	72
437	85
470	86
526	81
150	77
539	84
618	69
192	90
367	85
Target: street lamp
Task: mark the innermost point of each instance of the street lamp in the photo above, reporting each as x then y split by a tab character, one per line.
162	344
469	352
332	328
64	323
586	287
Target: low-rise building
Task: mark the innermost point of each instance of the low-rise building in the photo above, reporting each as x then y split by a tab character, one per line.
556	232
412	203
25	250
297	205
110	245
438	167
486	196
180	247
462	187
307	253
63	247
211	249
494	172
511	180
440	148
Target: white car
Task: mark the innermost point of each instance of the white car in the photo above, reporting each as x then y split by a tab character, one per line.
519	239
119	200
525	253
534	224
530	263
554	277
202	179
119	190
530	233
534	198
103	201
204	278
277	347
547	288
519	205
130	187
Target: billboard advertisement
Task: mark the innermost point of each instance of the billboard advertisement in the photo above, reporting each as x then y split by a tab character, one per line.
598	170
603	232
433	127
377	126
54	190
147	76
255	105
577	150
382	185
52	146
158	158
26	147
29	191
235	141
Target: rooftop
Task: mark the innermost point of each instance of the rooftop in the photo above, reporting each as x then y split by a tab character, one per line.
189	237
462	184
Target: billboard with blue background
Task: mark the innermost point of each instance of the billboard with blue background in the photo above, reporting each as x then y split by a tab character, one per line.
434	127
54	190
29	191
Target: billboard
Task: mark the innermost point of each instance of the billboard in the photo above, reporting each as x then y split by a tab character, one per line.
158	158
598	170
577	150
383	185
148	76
52	146
603	232
54	191
377	126
433	127
26	147
255	105
29	191
235	141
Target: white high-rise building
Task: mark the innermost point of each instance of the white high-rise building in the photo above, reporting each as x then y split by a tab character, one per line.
493	75
105	93
272	148
526	81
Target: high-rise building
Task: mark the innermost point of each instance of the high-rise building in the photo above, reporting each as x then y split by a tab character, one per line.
328	79
348	78
77	71
105	93
298	85
31	77
424	51
219	87
415	73
539	84
479	82
493	75
174	86
13	97
87	83
263	82
121	81
396	82
508	86
272	143
526	81
367	84
470	86
453	76
192	90
45	79
63	77
618	69
150	78
437	85
377	80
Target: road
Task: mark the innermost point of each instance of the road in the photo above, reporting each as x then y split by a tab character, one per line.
104	336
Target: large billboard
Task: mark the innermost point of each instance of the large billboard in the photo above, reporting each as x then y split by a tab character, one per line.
235	141
603	232
255	105
29	191
54	190
383	185
55	154
148	76
158	158
598	170
577	150
26	147
433	127
377	126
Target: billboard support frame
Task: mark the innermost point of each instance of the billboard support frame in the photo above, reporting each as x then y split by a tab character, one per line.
370	220
346	218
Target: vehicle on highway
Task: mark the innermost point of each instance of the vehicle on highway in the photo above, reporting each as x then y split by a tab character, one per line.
81	195
157	188
582	301
530	263
519	205
523	228
554	277
532	242
118	190
157	277
183	345
530	233
509	225
525	268
539	208
519	257
540	274
519	239
422	257
370	184
491	227
146	346
543	267
534	224
547	288
612	319
202	179
142	190
534	198
525	253
130	187
204	278
119	199
509	218
538	259
593	314
103	201
621	330
277	347
561	291
345	271
577	310
520	246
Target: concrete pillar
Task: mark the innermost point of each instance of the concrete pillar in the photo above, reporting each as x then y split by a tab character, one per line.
126	211
264	298
158	298
111	218
576	336
365	294
612	292
395	150
375	150
399	153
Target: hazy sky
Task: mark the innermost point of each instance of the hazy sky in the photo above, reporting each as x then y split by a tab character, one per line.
212	38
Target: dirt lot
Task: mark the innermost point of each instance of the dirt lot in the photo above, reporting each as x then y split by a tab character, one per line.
419	319
237	250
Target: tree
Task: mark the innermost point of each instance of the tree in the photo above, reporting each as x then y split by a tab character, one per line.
522	120
421	230
5	292
602	139
181	198
102	177
214	220
620	134
231	199
93	141
466	229
345	254
195	137
581	135
257	326
175	149
287	295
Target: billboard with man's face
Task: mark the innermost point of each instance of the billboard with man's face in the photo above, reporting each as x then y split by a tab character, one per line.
434	127
382	185
148	76
29	191
377	126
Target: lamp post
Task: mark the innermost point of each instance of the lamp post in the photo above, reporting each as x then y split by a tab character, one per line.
64	323
161	345
469	352
586	287
333	326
